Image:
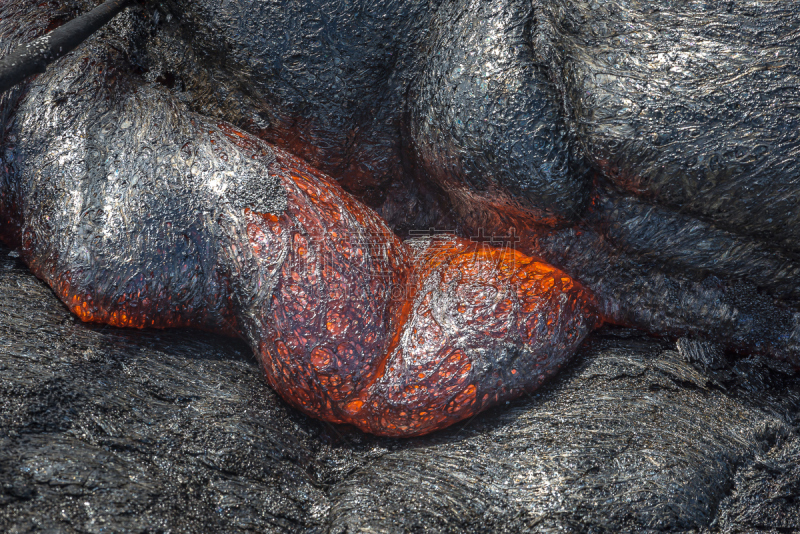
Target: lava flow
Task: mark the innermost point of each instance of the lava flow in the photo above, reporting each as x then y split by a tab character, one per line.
396	338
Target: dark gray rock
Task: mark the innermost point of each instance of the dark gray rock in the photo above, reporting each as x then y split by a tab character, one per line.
105	429
131	431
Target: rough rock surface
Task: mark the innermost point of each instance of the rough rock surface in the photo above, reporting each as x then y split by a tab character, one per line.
128	431
113	430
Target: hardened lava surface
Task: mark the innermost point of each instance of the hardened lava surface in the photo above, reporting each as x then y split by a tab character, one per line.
106	429
142	191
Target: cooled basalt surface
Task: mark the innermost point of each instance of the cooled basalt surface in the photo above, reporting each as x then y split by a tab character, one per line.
106	429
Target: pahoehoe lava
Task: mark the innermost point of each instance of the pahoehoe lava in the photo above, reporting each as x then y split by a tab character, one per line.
147	195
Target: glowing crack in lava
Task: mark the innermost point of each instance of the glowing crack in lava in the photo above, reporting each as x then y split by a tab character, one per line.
359	327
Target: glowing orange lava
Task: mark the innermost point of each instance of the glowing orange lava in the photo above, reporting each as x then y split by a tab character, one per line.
358	327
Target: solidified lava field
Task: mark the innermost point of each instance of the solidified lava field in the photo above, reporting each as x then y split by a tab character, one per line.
112	430
138	182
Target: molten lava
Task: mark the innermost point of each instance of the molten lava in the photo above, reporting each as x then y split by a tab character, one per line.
396	338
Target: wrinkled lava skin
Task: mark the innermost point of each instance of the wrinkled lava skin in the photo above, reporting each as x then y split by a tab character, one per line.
210	164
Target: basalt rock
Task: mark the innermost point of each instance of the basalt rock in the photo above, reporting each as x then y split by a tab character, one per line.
109	429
